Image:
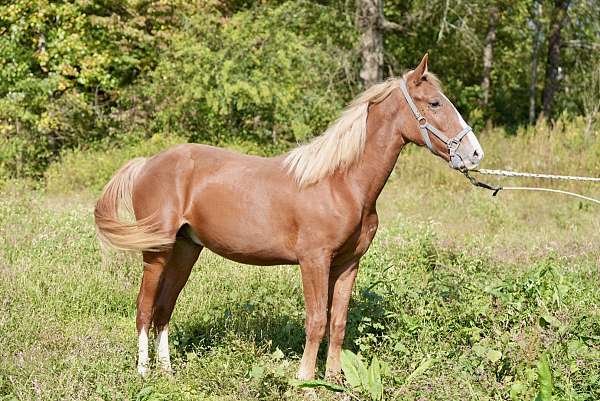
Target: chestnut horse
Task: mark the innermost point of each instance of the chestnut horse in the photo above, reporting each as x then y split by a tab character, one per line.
314	206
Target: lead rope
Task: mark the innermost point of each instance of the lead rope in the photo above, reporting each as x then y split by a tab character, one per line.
496	189
505	173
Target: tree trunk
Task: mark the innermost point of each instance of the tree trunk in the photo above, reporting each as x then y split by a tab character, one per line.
559	18
372	24
488	54
371	41
536	14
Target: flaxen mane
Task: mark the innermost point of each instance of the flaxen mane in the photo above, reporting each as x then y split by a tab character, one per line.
343	142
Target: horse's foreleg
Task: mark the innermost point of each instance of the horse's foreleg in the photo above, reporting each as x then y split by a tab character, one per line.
315	276
154	263
177	272
340	290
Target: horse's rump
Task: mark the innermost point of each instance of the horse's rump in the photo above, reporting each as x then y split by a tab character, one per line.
111	229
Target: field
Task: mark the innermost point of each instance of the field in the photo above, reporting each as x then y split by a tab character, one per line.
462	296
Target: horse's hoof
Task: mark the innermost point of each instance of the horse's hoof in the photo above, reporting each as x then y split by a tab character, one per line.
166	370
165	366
143	370
334	377
310	394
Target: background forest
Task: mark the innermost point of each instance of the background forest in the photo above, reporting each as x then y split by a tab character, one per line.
265	74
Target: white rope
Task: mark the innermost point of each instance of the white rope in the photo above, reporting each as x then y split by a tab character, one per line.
506	173
553	190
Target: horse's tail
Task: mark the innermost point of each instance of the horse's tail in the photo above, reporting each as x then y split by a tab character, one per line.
140	235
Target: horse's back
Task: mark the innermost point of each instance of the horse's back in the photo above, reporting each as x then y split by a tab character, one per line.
238	205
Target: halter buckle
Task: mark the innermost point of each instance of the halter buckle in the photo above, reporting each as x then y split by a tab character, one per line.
422	121
454	143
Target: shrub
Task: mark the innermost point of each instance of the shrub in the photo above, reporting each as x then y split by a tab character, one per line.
63	66
90	170
263	74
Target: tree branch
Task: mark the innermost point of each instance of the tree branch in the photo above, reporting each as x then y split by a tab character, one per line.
583	44
391	26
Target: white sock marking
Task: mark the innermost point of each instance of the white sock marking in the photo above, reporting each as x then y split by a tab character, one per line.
162	348
143	358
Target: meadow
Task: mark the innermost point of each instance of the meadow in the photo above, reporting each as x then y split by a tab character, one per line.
462	296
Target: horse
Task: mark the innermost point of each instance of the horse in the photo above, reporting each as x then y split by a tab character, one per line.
314	206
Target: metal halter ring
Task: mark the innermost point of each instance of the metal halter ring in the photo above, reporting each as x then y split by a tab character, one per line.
453	143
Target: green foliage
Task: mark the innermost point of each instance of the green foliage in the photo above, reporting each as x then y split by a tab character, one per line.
321	384
74	74
425	364
544	375
354	369
454	33
62	66
250	77
367	381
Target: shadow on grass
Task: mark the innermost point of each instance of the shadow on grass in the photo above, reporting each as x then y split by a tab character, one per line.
269	328
271	331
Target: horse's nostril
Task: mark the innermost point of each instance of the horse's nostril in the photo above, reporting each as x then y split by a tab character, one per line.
476	155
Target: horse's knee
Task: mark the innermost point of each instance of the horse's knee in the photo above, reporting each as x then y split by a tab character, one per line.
337	330
315	327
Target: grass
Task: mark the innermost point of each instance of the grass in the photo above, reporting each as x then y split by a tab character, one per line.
461	296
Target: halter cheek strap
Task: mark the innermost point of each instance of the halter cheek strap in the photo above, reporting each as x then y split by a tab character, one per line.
425	128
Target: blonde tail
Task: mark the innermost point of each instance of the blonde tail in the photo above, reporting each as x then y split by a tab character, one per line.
140	235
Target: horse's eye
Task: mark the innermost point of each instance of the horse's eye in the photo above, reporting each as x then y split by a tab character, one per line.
435	104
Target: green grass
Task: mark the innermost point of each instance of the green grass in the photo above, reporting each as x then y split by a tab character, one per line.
461	296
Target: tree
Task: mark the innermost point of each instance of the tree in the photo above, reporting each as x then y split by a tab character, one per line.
488	52
551	84
536	15
372	24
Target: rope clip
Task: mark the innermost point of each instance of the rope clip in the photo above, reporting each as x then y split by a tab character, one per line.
477	183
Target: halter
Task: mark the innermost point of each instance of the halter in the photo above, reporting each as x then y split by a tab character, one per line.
427	128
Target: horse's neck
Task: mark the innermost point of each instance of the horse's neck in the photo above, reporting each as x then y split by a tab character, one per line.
383	145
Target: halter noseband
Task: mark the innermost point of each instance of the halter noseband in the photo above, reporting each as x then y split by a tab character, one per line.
427	128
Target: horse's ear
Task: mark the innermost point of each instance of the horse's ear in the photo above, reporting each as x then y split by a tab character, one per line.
421	70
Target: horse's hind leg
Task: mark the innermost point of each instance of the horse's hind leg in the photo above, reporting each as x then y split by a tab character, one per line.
185	253
154	264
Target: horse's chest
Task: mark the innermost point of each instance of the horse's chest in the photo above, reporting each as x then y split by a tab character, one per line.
369	228
359	243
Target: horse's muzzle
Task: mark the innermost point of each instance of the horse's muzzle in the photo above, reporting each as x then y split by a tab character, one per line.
467	158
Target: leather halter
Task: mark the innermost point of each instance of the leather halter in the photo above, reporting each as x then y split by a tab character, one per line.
426	128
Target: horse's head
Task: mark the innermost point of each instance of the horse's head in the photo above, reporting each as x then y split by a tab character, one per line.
436	123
